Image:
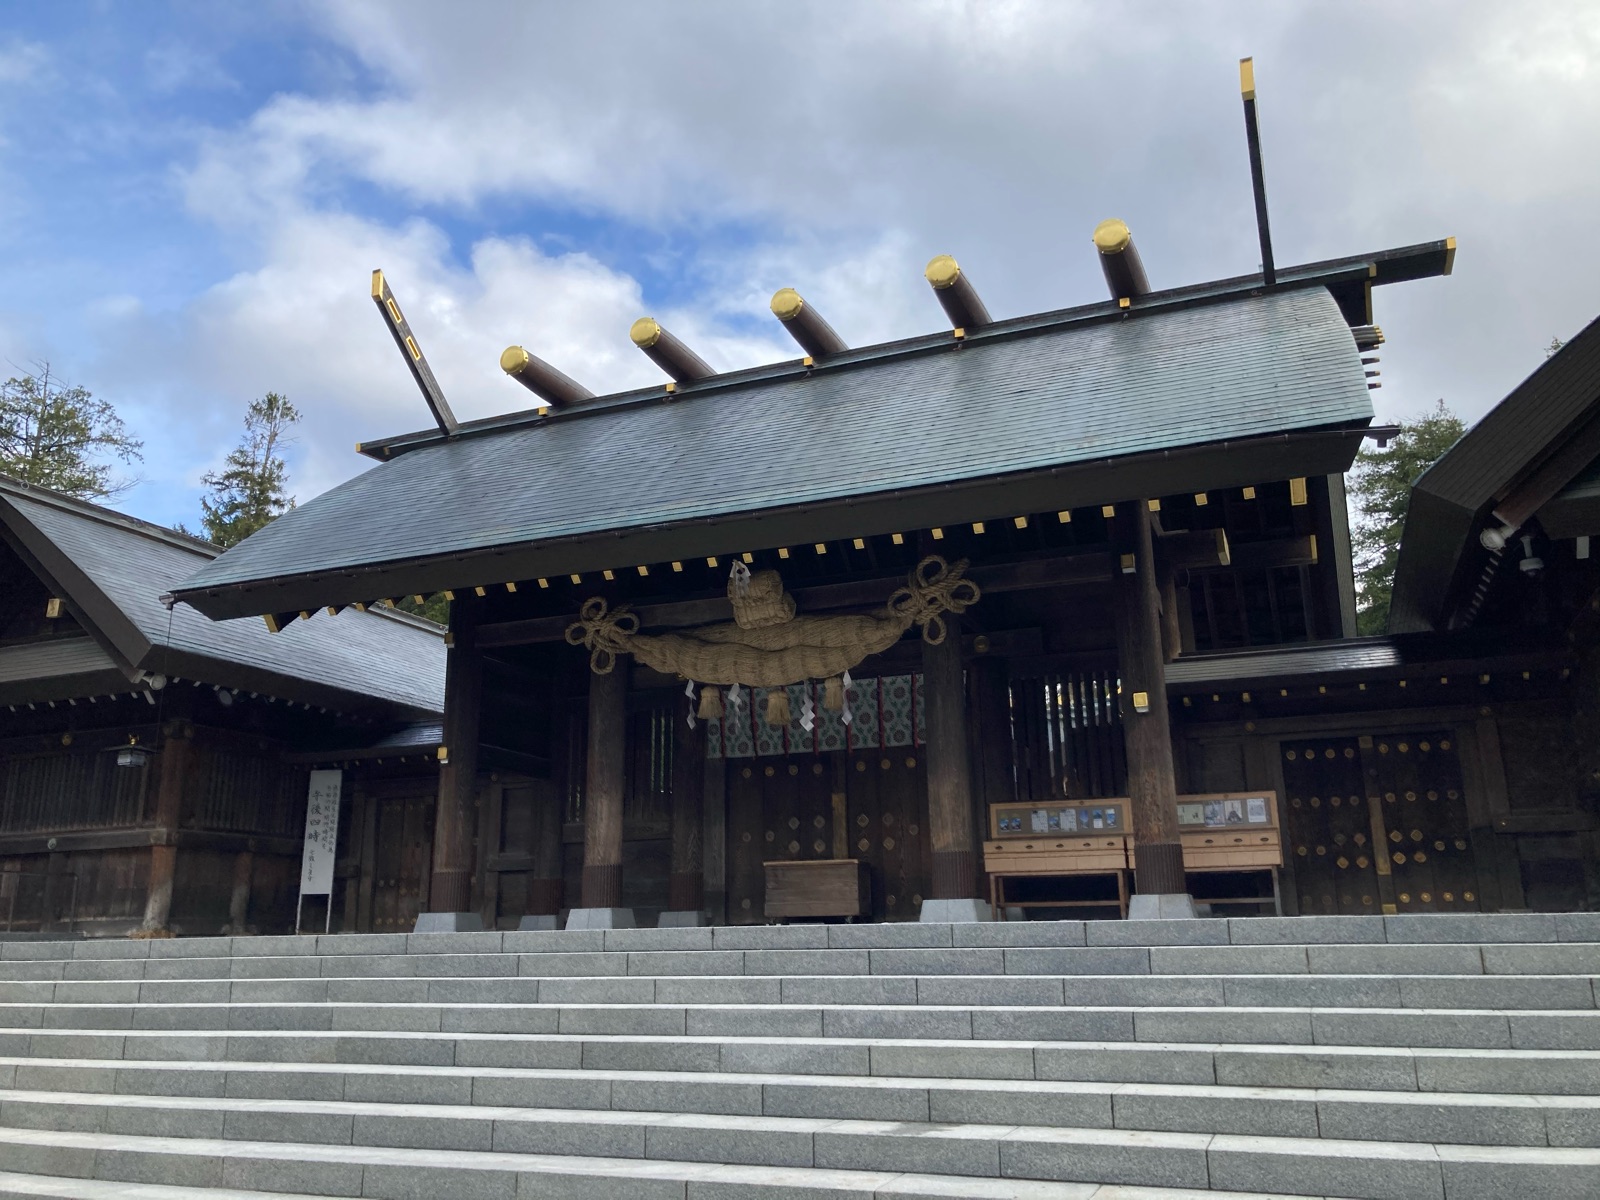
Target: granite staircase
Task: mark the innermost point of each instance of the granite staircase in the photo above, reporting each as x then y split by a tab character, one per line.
1405	1057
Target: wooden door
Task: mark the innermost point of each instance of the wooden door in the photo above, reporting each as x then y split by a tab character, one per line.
778	809
887	805
1417	778
402	859
784	809
1329	825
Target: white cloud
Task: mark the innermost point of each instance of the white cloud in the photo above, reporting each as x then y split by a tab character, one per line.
22	61
835	147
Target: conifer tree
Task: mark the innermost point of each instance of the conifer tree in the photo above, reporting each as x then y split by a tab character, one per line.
1380	485
63	438
250	490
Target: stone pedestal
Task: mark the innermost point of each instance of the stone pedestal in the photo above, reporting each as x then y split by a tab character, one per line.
600	918
956	912
1164	907
448	922
540	921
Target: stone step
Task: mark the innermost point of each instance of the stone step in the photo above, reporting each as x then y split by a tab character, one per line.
1476	1119
1531	1029
1465	1118
902	1187
1531	1072
1405	962
1191	1163
1470	991
43	1187
1404	929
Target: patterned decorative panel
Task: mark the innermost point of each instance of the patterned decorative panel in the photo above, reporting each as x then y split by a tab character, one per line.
769	739
864	726
830	729
799	739
743	732
738	740
895	694
919	719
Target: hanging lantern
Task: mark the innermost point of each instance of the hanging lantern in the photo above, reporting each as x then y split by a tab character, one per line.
710	703
778	708
132	755
833	694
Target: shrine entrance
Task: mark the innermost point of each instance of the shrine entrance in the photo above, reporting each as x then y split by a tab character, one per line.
1378	821
402	842
838	790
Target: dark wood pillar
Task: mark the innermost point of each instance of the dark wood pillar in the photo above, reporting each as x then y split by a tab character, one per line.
1152	786
714	813
172	772
989	685
244	864
450	888
607	780
1172	643
686	885
955	868
549	812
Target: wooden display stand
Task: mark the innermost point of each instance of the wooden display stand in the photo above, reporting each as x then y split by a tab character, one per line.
1221	832
826	887
1226	832
1057	839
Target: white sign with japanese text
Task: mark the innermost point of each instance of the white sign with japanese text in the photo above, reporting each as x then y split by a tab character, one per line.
322	833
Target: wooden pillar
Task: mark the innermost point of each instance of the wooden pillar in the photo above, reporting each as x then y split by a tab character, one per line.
239	900
488	849
1152	786
1172	643
686	889
607	780
714	813
367	805
992	770
544	881
955	868
450	885
173	770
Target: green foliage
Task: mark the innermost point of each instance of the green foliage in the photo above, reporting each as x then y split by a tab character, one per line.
250	490
436	608
1380	486
63	438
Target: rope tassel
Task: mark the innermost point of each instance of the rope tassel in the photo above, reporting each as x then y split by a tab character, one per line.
778	715
710	704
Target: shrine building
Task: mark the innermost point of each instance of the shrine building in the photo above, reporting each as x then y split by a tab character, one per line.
153	763
1040	563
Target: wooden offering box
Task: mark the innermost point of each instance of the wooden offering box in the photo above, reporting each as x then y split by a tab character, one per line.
1057	838
828	887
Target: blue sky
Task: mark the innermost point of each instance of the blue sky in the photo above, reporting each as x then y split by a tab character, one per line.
192	195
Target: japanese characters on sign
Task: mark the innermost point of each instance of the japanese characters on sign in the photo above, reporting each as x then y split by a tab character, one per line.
322	833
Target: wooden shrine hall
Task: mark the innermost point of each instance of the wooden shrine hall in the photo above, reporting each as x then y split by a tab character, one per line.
153	763
834	636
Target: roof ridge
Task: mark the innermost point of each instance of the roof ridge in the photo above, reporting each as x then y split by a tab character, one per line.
1219	291
10	485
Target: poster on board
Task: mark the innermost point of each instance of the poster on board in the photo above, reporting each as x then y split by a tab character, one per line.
322	833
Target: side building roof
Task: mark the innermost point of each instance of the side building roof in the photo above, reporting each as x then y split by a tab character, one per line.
1536	454
113	571
1183	393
